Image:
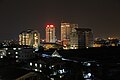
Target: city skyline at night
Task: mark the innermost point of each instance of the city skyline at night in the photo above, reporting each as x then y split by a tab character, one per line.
100	16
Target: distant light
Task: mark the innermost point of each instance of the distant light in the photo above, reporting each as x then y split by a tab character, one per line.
35	50
87	64
1	56
62	26
6	48
35	64
87	75
19	48
43	40
16	52
62	71
52	79
16	56
50	67
53	66
30	63
40	70
36	70
40	65
47	26
61	76
51	26
14	48
9	53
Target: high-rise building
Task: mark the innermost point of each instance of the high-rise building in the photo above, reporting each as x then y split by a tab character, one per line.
50	33
30	38
85	37
67	29
74	40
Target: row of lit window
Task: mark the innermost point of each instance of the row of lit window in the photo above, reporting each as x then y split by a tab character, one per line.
36	65
13	48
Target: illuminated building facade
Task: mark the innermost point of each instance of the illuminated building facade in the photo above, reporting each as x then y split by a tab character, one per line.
67	29
85	37
74	40
50	33
102	42
30	38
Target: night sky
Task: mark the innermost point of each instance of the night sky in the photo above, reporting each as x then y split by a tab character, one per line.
102	16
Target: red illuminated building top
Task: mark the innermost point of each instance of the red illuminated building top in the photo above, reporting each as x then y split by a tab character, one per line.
50	26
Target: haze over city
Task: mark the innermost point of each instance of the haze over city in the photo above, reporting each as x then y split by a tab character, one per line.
102	16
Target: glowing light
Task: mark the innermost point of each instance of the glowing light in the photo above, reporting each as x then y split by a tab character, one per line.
9	53
47	26
16	52
6	48
16	56
1	56
19	48
36	69
88	75
43	40
14	48
40	65
40	70
62	71
35	64
30	64
51	26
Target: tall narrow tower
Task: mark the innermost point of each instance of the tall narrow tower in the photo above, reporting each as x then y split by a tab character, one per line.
50	33
66	30
85	37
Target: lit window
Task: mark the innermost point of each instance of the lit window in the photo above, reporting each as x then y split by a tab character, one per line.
9	53
87	64
35	34
19	48
16	52
40	65
36	70
62	71
16	56
6	48
47	26
61	76
52	79
51	26
87	47
1	56
87	75
40	70
35	64
14	48
62	26
30	63
52	66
